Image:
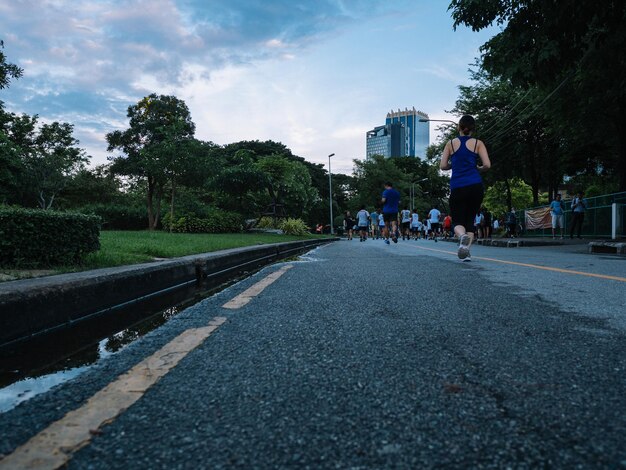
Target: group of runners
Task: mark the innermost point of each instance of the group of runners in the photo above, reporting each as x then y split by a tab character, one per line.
467	157
409	226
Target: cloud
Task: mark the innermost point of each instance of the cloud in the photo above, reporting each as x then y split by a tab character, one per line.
86	62
442	72
109	44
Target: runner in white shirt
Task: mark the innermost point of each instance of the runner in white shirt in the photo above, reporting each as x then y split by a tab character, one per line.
374	222
406	223
415	224
381	224
363	220
434	215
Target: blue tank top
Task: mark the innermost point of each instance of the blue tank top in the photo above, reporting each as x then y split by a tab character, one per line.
464	171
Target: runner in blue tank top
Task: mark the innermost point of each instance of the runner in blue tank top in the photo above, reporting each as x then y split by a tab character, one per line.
461	155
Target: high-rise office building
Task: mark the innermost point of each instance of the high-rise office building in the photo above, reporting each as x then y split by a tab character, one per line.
416	134
388	140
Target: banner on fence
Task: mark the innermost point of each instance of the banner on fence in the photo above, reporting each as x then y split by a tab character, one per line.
538	218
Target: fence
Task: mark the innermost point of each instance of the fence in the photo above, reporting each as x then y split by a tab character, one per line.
605	217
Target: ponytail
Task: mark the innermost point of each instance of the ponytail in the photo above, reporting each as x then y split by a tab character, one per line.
467	124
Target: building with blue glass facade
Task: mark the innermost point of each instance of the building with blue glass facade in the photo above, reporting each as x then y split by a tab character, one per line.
416	134
388	140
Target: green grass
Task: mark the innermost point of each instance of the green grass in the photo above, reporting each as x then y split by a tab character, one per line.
119	248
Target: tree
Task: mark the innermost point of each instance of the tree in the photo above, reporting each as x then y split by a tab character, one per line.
158	127
52	160
11	165
503	195
90	186
250	180
7	70
176	153
288	183
241	183
371	176
406	174
557	46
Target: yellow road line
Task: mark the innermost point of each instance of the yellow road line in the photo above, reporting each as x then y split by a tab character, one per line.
535	266
246	296
54	446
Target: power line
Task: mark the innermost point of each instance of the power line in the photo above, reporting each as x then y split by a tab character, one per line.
486	131
511	125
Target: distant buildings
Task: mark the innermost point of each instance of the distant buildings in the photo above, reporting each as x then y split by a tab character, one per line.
401	136
388	140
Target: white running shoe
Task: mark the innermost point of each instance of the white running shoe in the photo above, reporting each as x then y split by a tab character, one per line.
469	258
464	251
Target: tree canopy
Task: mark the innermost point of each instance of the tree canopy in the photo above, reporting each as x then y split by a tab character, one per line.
154	145
7	69
565	55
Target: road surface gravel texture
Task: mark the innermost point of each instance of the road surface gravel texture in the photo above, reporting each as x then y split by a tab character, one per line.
369	356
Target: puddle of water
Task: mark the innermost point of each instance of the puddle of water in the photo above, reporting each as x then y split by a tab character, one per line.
311	256
39	365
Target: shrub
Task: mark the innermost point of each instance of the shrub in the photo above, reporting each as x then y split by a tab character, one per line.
294	227
267	222
213	221
37	238
119	216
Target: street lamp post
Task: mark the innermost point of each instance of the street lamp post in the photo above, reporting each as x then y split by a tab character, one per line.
438	120
330	195
413	192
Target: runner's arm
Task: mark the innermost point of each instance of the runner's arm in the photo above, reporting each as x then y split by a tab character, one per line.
445	163
484	157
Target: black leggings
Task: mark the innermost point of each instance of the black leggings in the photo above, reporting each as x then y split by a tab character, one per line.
464	205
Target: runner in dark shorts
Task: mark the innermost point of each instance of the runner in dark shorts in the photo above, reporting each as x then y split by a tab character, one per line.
390	200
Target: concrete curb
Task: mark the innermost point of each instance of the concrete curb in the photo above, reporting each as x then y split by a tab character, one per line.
513	243
510	243
594	247
608	247
32	307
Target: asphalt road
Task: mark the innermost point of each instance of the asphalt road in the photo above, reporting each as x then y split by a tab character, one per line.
374	356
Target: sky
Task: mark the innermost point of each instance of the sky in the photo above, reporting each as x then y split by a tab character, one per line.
315	75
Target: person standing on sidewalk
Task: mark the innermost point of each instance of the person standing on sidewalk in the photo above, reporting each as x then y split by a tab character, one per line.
487	227
511	223
363	221
557	210
466	185
479	220
579	206
391	201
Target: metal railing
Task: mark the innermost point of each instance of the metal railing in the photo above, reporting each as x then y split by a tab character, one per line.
605	217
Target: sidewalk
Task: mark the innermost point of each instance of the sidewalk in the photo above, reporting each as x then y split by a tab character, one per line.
584	245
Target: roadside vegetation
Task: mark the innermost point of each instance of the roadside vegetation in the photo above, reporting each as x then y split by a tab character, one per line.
128	247
119	248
